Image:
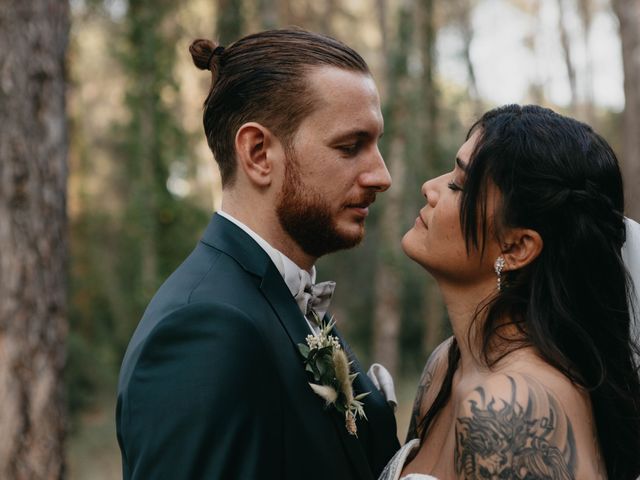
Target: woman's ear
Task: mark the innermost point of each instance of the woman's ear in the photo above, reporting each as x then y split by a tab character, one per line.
253	142
520	247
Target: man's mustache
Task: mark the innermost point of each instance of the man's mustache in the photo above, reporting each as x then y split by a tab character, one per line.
363	201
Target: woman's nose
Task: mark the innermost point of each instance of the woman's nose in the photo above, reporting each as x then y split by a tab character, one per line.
430	191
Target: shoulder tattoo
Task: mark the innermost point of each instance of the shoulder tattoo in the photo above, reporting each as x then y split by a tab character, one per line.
501	438
425	382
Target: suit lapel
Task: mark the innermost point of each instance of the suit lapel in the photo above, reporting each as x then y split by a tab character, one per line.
283	304
224	235
292	320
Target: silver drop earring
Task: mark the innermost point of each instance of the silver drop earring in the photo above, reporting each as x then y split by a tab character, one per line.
498	266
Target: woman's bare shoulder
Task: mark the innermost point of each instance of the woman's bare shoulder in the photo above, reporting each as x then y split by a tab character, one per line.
537	420
432	376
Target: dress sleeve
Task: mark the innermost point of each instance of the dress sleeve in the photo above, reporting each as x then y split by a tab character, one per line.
631	257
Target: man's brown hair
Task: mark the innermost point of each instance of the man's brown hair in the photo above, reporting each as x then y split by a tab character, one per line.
262	78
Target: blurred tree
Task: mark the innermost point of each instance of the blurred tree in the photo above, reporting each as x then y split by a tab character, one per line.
158	227
327	18
565	42
269	11
388	278
129	229
461	12
230	20
585	12
426	165
33	149
628	13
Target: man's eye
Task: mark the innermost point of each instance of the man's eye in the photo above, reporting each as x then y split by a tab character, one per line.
350	149
454	187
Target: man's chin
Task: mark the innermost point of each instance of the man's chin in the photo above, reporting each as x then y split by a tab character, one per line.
351	234
338	240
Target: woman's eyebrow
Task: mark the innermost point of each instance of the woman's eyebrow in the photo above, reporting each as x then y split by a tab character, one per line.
463	166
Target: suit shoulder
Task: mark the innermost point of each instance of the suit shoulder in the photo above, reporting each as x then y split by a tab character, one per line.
190	336
206	322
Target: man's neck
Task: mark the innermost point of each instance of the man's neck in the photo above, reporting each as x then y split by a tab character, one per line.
267	225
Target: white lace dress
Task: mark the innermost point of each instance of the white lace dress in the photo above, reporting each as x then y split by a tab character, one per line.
394	467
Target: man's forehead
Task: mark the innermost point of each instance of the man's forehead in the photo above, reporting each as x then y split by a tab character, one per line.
340	80
348	99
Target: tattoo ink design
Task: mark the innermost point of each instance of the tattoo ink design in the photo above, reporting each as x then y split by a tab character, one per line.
504	440
425	382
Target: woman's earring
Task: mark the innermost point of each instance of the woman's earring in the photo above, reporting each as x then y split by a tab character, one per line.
498	267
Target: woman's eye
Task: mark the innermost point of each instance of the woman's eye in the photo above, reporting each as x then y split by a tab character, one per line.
454	187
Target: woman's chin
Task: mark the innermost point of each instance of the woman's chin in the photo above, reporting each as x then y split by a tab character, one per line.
412	248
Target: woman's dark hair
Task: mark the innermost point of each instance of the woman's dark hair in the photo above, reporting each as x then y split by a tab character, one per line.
262	78
561	179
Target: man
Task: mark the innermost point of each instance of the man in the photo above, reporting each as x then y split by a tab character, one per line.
213	384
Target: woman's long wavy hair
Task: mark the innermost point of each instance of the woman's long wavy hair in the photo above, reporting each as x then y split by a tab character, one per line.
560	178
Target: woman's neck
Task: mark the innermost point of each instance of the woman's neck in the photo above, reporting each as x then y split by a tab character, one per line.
464	306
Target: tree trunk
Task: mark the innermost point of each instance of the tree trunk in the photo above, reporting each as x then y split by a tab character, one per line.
585	10
387	318
463	10
566	52
628	12
387	314
33	236
230	24
427	116
269	12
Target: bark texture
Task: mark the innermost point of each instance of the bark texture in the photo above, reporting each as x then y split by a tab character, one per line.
33	229
628	13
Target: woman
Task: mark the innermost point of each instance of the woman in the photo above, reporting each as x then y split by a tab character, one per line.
524	238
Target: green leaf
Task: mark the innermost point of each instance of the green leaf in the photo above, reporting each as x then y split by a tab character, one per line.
326	351
322	367
304	350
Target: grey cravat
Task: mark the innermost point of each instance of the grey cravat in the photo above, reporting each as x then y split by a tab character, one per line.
314	300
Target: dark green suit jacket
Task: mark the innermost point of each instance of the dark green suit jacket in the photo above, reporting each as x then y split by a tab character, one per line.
212	385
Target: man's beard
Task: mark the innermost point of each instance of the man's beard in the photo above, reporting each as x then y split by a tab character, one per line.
307	217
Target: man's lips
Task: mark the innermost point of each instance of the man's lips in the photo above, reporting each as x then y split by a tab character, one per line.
359	205
361	208
362	204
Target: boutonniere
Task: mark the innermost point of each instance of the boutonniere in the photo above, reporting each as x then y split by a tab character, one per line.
327	363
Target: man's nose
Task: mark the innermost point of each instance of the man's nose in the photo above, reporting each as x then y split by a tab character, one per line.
377	176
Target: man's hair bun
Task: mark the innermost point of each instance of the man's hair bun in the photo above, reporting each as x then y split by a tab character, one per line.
203	52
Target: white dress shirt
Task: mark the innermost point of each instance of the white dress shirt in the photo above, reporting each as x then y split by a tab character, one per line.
291	273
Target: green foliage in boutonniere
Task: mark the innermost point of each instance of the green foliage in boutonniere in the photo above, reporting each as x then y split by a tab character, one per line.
327	363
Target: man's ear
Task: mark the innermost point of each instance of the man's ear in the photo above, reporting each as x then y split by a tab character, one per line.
520	247
253	144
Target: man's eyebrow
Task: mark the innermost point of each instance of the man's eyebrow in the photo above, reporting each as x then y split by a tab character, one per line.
354	134
463	166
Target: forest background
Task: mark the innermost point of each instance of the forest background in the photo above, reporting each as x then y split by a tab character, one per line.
107	181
